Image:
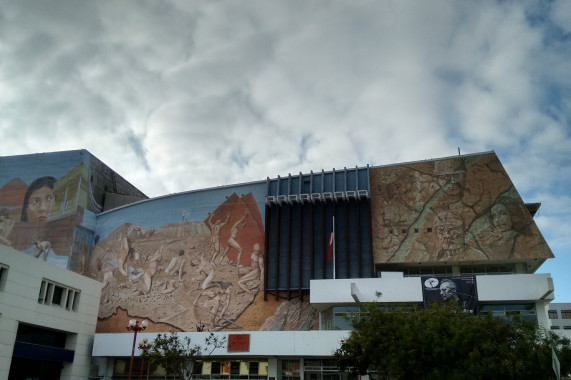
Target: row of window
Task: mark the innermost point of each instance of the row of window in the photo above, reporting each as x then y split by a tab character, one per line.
412	271
52	293
341	317
236	369
565	314
559	327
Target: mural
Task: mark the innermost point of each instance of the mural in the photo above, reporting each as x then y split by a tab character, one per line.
458	209
38	212
189	261
190	275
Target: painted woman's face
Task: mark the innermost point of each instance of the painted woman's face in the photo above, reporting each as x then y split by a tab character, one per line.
40	204
501	218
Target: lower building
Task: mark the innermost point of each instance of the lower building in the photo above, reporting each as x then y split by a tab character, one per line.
47	319
560	318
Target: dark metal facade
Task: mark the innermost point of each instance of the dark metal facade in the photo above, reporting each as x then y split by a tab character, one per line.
301	213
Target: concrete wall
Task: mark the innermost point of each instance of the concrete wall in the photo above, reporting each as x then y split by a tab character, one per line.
19	304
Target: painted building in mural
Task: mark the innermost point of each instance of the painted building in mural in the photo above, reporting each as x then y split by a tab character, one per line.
277	263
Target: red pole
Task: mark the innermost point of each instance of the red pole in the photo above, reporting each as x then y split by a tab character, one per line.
133	352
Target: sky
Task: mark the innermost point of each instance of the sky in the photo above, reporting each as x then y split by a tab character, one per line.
182	95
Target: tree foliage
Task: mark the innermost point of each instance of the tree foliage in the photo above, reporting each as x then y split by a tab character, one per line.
178	355
442	342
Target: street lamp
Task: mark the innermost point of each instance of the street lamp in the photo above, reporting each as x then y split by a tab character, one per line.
144	346
134	326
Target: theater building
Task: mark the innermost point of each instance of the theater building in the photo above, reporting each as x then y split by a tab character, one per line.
275	266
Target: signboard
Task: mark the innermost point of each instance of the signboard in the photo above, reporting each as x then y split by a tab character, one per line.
461	289
239	343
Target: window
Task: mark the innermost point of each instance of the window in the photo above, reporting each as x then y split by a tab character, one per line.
290	370
215	368
554	327
3	275
234	368
552	314
52	293
566	314
511	311
254	368
566	327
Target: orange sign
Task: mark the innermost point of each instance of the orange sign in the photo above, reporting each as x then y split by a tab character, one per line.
238	342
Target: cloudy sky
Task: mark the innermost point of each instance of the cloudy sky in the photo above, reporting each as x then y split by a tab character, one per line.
180	95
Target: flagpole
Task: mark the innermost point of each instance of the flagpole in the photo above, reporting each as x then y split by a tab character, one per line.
334	247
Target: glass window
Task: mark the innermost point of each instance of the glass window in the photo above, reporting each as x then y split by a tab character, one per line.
566	314
554	327
215	368
511	311
290	370
566	327
552	314
52	293
254	368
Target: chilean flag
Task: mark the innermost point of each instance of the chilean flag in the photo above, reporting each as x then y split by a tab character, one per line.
331	242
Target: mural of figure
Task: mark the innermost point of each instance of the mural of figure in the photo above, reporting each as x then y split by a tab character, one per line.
107	271
224	303
255	272
122	256
145	282
501	218
498	241
217	303
176	265
204	268
6	225
449	176
451	234
215	230
39	200
41	246
83	259
170	287
232	243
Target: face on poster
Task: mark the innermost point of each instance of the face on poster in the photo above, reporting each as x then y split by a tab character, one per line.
459	289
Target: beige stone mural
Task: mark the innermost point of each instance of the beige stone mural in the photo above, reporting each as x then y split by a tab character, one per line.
190	275
458	209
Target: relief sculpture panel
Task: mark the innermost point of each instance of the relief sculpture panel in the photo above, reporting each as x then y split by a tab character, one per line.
451	210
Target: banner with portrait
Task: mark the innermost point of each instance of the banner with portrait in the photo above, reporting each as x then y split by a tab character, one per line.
461	289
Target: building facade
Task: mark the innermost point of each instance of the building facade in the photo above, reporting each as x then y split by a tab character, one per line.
275	266
560	318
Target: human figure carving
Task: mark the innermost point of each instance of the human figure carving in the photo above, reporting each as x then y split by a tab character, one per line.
215	231
255	272
146	281
122	256
232	243
176	265
207	269
41	246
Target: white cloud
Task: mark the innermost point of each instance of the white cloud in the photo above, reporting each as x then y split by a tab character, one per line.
178	95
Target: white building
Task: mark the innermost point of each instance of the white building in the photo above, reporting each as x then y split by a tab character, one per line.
47	318
560	318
